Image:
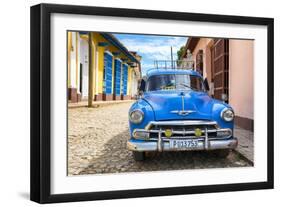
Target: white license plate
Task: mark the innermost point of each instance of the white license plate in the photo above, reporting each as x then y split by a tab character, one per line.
183	144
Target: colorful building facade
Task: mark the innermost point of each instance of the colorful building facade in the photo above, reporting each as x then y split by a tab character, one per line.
105	68
228	65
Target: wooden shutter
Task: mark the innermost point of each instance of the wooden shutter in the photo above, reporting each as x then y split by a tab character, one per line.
199	62
117	81
107	73
220	68
125	79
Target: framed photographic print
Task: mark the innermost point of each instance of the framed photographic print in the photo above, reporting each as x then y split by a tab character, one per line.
132	103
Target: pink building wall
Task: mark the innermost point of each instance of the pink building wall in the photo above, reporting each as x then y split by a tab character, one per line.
204	44
241	60
241	64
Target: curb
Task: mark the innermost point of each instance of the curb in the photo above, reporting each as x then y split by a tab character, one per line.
243	157
96	105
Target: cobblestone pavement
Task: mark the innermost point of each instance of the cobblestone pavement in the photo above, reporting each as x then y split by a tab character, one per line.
97	144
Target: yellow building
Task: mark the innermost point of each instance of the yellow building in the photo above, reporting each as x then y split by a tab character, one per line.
113	70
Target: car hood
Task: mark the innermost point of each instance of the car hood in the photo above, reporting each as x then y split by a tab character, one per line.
173	105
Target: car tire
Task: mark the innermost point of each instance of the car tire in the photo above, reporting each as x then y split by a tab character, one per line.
139	156
222	153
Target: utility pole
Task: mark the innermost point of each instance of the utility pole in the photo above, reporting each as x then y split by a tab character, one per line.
90	65
172	62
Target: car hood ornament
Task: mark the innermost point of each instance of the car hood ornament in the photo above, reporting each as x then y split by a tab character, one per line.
182	112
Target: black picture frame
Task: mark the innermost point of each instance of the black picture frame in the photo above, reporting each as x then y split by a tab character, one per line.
41	102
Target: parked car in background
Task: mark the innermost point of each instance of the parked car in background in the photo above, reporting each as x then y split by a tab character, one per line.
175	113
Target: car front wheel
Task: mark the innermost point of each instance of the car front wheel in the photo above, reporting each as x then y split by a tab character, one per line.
139	156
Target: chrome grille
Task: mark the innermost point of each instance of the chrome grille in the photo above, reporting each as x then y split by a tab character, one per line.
184	130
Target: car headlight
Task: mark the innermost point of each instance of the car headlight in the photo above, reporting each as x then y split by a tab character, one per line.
136	116
227	115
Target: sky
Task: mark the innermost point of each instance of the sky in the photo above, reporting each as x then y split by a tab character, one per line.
152	47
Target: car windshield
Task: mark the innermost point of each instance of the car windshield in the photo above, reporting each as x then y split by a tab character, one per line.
174	82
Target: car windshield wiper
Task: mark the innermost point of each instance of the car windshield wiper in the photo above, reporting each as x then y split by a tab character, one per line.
187	86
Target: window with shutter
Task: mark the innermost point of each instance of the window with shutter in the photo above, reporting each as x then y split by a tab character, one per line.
125	79
117	76
220	68
107	82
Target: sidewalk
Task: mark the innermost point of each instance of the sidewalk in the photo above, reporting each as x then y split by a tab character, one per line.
245	143
97	103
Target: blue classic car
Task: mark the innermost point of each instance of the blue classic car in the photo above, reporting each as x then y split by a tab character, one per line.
176	113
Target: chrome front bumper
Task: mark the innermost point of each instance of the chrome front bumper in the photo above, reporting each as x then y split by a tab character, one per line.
142	145
162	143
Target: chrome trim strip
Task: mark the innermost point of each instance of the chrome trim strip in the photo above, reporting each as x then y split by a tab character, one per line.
180	123
183	112
186	132
202	138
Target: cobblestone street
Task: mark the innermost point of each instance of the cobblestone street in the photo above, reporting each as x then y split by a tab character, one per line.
97	144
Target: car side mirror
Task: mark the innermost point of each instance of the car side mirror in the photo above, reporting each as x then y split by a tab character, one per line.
206	84
142	86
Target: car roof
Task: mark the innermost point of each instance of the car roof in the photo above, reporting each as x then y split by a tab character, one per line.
156	71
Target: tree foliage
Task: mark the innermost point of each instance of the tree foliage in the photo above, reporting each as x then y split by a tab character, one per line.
180	52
